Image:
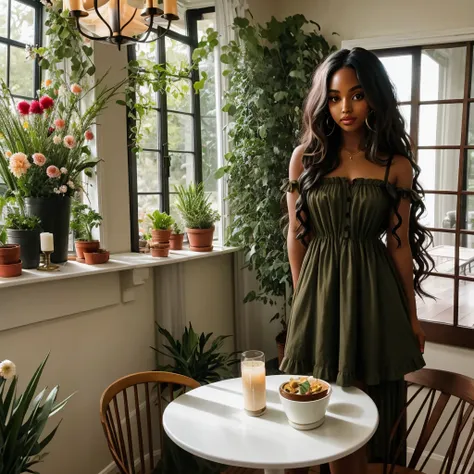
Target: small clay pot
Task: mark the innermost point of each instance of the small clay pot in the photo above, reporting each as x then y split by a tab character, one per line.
10	270
9	254
200	240
176	241
161	236
83	246
157	251
97	258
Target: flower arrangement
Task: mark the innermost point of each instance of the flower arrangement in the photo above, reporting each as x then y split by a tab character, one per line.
44	144
23	419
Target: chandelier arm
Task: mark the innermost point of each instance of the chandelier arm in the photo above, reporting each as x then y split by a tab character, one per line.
96	8
83	33
157	36
128	22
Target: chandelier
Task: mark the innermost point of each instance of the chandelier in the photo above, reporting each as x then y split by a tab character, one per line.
121	22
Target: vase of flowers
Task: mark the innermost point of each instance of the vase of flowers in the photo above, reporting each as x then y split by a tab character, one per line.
44	149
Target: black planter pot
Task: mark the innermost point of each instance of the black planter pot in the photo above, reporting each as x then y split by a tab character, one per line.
29	243
54	213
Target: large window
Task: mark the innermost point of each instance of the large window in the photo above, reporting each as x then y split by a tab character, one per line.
179	140
20	25
435	86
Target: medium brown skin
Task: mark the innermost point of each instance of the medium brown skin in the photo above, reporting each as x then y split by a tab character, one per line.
347	101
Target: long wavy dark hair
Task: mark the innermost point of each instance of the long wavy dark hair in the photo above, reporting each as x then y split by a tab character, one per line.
385	136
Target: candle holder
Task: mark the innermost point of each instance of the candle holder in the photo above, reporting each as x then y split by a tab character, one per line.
47	266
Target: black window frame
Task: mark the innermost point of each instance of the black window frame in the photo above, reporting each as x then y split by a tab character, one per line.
191	40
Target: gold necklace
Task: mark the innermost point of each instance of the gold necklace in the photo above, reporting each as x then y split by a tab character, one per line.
351	155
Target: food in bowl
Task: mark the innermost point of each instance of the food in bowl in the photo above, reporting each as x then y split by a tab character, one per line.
305	401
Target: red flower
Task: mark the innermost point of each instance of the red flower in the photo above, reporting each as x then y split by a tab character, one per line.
23	107
46	102
50	131
35	107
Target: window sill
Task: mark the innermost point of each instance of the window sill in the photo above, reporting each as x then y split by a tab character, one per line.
117	263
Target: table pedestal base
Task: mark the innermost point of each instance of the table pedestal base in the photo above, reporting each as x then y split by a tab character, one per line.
274	471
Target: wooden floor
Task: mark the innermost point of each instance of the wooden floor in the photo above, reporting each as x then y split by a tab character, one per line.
241	470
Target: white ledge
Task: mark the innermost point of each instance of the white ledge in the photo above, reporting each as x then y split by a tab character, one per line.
118	262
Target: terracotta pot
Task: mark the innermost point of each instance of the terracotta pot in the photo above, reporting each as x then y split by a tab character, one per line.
83	246
176	241
159	235
9	254
10	270
97	258
200	240
157	251
281	340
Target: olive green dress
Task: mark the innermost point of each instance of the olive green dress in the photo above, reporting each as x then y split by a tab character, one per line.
349	320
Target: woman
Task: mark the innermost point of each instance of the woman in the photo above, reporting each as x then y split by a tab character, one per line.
356	249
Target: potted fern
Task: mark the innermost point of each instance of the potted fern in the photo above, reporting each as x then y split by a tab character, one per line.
83	221
176	237
160	233
195	208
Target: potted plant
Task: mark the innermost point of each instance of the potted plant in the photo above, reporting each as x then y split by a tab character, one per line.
196	210
83	221
10	262
177	237
160	233
24	231
23	420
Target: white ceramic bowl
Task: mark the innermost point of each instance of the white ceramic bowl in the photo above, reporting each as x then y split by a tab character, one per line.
306	415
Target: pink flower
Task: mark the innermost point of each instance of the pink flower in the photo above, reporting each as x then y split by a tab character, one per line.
23	107
76	89
69	142
63	170
88	135
59	124
71	184
19	164
35	108
39	159
46	102
53	171
63	189
8	153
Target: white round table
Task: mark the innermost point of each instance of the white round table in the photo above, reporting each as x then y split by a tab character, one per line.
210	422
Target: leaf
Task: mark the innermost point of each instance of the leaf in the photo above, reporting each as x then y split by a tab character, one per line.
281	95
305	387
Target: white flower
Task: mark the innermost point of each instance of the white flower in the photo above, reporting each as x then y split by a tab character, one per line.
56	190
71	184
7	369
63	170
63	189
57	140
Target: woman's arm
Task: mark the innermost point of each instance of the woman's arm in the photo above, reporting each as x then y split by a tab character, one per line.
401	255
296	249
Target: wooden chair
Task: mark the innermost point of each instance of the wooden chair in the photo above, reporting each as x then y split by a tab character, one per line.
131	409
438	422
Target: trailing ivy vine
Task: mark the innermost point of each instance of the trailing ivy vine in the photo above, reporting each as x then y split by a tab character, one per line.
269	69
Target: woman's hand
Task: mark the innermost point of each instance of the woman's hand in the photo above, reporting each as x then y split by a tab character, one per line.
419	334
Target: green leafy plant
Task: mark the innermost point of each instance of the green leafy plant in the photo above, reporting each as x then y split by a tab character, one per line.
23	419
83	220
160	220
15	219
4	202
269	69
177	230
194	358
147	236
195	207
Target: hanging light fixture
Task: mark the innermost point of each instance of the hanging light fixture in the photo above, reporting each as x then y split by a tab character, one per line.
121	22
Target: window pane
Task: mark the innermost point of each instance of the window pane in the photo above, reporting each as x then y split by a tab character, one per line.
405	110
148	172
3	61
468	204
469	179
21	73
442	252
3	18
466	304
399	71
181	169
442	73
470	132
180	132
472	77
440	211
439	169
174	211
466	255
22	23
209	153
147	203
180	96
177	54
440	125
147	51
441	309
150	131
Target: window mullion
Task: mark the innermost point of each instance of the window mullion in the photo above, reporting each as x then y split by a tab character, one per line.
163	135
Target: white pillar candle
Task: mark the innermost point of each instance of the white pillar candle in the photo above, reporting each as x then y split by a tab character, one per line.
47	242
254	388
